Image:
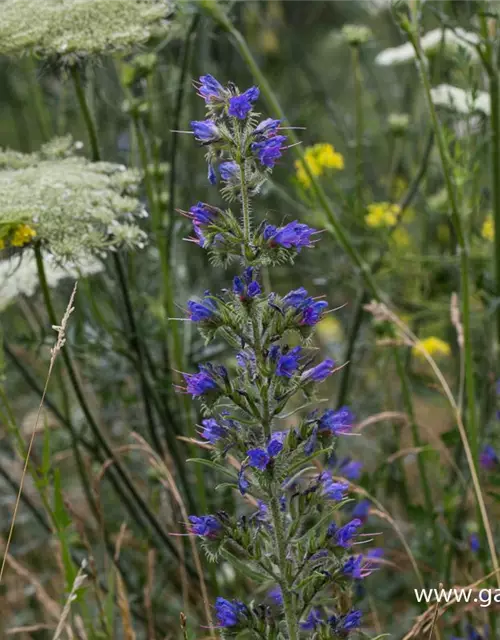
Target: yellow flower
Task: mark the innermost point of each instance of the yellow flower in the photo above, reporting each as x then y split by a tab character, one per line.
22	235
382	214
488	230
318	158
434	347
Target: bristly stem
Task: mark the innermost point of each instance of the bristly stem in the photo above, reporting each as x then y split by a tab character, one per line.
245	204
283	564
87	116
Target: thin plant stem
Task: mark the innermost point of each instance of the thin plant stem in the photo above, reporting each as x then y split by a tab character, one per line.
144	513
358	99
417	443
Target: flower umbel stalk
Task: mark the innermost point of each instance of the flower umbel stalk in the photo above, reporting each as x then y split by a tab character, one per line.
287	543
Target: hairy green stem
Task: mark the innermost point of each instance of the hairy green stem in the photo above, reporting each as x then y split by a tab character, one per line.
291	616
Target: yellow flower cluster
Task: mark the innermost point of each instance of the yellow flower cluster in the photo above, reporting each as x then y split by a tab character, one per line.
382	214
488	229
22	234
318	158
434	347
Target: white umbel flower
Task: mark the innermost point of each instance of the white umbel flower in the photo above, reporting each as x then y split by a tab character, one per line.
459	100
452	41
19	275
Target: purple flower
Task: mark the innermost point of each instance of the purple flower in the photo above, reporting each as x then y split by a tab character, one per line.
229	170
202	213
229	613
202	311
288	363
212	176
312	621
210	88
488	458
204	526
238	286
362	509
205	130
344	535
350	469
258	458
342	624
293	234
353	567
275	444
296	298
352	620
212	430
336	422
312	313
320	372
240	106
243	484
269	151
253	289
198	384
200	238
267	127
474	542
276	596
263	511
311	443
331	489
274	352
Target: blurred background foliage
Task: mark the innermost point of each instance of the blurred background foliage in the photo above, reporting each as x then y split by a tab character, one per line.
378	165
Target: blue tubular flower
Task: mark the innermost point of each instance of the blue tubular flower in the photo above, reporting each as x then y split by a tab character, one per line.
200	238
205	130
210	88
488	458
353	567
311	314
253	289
212	430
288	363
202	213
202	311
351	469
336	422
312	621
258	459
229	170
212	176
352	620
275	444
243	484
205	526
240	106
344	535
269	151
296	298
331	489
293	234
198	384
238	286
229	613
474	542
362	509
320	372
276	595
267	128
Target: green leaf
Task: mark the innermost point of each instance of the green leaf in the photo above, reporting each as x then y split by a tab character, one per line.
213	465
244	567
